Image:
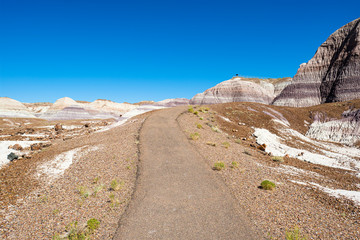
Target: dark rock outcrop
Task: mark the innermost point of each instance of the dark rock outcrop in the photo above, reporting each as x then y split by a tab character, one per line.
332	75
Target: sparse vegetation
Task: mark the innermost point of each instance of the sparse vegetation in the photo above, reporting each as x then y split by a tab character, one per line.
199	126
277	159
114	202
294	234
219	166
97	189
96	180
195	136
226	144
238	141
196	113
191	109
267	185
92	224
215	129
76	232
201	118
84	191
115	185
211	144
234	164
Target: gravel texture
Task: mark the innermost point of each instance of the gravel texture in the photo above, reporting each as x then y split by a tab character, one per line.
44	206
316	214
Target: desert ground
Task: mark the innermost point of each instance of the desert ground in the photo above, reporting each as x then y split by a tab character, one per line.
217	156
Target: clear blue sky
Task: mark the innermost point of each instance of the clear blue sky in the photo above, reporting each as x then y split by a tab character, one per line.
151	50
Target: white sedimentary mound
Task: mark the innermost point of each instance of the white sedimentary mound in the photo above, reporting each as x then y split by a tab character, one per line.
236	89
12	108
345	130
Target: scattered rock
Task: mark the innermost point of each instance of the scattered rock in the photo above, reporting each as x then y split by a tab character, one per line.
262	147
36	146
58	127
12	156
17	147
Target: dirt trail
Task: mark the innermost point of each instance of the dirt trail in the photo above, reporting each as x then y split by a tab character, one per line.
178	196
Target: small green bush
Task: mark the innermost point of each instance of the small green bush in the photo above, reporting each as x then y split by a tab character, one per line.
199	126
201	118
191	109
218	166
196	113
226	144
195	136
215	129
267	185
294	234
114	202
84	191
92	224
115	185
234	164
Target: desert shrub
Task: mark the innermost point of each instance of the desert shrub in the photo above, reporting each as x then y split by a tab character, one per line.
277	159
96	180
199	126
215	129
267	185
92	224
97	189
194	136
226	144
218	166
114	202
211	144
294	234
84	191
196	113
191	109
201	118
115	185
234	164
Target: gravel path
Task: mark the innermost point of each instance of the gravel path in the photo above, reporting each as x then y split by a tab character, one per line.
177	195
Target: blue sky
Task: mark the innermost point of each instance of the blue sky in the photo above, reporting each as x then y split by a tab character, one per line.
153	50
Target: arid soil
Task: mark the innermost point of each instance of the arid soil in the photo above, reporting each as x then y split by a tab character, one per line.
38	204
291	205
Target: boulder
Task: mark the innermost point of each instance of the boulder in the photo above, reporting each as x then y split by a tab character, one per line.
12	156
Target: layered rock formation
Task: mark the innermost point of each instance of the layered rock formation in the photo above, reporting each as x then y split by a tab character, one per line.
345	130
173	102
240	89
332	75
12	108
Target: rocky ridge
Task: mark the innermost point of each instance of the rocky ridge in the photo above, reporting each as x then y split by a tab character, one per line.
332	75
